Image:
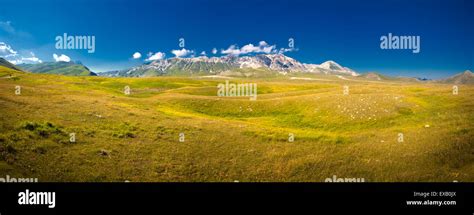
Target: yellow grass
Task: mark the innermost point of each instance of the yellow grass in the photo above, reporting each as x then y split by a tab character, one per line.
136	137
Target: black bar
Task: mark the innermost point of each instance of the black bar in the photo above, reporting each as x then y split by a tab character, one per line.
373	198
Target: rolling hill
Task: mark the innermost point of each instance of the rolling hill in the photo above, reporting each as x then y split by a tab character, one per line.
135	137
60	68
467	77
7	64
373	76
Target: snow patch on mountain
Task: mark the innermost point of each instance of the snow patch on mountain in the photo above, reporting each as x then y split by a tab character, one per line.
217	65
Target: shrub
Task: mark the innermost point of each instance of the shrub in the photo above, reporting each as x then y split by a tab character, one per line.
42	129
125	130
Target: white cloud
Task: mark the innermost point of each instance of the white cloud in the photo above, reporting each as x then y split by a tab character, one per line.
31	60
265	48
182	53
232	50
61	58
283	50
6	50
268	49
136	55
156	56
249	49
9	54
203	53
214	51
262	47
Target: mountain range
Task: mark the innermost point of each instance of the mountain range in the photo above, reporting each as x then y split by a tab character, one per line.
230	65
263	65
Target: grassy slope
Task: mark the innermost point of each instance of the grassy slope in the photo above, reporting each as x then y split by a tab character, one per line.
8	65
231	139
62	68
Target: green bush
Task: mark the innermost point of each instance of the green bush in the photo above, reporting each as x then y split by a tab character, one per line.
44	129
125	130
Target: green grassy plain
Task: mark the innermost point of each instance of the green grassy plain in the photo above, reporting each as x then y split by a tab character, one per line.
135	137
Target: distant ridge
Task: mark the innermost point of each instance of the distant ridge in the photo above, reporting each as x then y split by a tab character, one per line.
60	68
264	65
466	77
373	76
379	77
7	64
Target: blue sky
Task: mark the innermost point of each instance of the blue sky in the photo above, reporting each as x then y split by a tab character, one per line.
347	32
